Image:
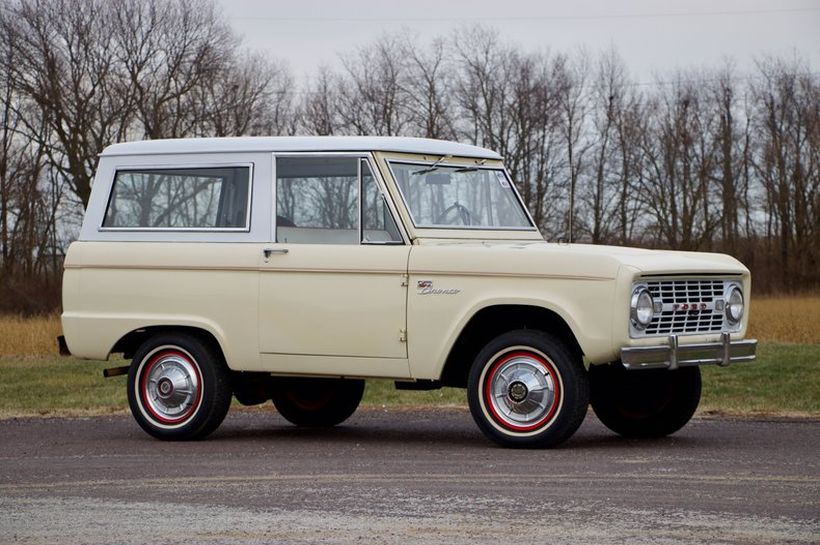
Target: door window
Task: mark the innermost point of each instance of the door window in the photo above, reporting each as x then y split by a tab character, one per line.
318	202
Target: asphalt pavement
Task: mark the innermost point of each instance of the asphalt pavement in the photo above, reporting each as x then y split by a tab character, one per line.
401	476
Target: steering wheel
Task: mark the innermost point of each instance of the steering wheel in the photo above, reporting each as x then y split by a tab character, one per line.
463	214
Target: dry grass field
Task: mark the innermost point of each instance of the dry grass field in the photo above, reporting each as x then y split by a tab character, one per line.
29	336
786	319
774	319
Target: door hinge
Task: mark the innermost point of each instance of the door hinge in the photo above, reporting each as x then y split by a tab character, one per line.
402	335
405	280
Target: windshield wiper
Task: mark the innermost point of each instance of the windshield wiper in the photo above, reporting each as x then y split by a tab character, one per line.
471	169
431	168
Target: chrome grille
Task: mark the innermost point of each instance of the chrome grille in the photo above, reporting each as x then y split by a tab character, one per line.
689	306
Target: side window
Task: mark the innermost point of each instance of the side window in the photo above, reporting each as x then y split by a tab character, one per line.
379	225
317	202
181	198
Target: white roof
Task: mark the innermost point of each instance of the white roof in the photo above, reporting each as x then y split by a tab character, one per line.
425	146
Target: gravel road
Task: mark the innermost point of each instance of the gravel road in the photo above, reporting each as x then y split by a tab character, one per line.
396	477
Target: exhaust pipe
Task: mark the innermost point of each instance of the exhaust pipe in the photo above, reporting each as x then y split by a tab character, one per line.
116	371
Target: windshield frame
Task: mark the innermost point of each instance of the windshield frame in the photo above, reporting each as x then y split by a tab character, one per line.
456	165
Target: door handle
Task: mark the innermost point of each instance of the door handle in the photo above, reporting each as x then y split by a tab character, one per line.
270	251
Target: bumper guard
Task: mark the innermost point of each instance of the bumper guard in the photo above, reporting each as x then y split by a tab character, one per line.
673	355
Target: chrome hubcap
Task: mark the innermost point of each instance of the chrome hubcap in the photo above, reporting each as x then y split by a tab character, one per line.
522	391
171	387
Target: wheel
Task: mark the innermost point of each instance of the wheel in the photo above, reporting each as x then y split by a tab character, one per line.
644	403
527	389
178	387
316	402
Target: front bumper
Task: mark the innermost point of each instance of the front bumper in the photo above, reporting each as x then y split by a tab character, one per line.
673	355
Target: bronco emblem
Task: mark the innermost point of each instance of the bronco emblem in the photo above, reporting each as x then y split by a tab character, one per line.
425	287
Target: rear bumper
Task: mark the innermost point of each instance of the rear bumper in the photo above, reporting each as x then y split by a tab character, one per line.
673	355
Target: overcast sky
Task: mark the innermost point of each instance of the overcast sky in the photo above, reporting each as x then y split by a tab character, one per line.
651	35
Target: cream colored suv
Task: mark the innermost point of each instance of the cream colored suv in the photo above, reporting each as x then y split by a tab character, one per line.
291	269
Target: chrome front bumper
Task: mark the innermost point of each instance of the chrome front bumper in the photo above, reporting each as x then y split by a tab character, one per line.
673	355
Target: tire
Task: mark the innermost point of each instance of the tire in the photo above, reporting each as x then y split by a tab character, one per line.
316	402
533	362
251	388
178	387
644	403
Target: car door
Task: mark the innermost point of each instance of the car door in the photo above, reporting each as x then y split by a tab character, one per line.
333	293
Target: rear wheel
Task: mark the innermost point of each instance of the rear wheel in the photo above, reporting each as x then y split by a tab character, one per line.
178	387
316	402
644	403
527	389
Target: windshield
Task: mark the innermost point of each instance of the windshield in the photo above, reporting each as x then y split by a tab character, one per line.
441	196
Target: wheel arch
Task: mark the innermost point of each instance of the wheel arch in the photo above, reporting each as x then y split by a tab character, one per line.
129	343
492	320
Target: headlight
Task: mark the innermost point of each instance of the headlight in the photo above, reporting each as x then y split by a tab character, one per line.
734	305
641	308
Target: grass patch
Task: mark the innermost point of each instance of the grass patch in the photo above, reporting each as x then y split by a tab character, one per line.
381	393
784	380
54	385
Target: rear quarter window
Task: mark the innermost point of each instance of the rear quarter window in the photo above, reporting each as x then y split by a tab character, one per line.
180	198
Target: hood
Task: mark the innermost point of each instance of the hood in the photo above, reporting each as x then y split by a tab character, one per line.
537	258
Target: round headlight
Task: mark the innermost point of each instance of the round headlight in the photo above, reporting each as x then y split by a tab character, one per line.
734	305
642	308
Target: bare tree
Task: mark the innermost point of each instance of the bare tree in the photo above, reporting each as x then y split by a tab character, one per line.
787	161
630	125
482	87
571	75
253	96
427	85
320	106
534	157
371	97
681	158
168	51
724	95
607	97
65	65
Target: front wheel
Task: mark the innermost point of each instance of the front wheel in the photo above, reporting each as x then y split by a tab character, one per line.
644	403
178	387
527	389
316	402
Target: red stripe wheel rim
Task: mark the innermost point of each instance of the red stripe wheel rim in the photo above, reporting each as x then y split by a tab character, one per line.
170	387
522	391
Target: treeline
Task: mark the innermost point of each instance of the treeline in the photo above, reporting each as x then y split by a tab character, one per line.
715	160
